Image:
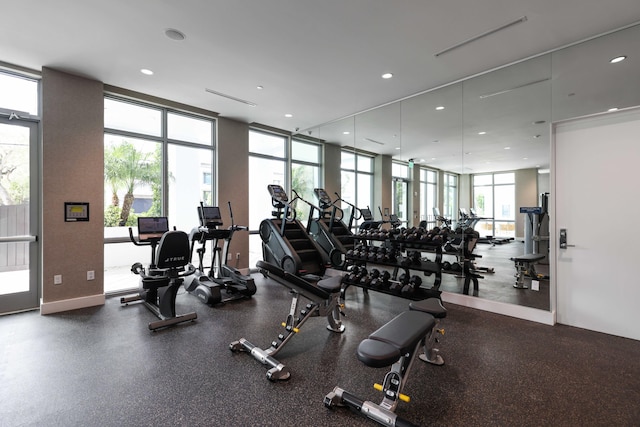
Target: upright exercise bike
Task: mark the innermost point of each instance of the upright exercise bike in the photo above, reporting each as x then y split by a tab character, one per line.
223	282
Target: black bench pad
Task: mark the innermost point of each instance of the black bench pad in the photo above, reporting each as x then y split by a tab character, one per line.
401	333
331	284
433	306
528	258
294	282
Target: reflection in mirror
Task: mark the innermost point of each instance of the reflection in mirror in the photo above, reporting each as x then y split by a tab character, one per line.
506	142
585	81
378	131
489	149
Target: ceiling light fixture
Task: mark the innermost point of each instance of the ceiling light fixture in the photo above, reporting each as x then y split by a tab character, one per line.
288	115
439	108
507	148
397	148
259	87
233	98
174	34
346	132
479	36
482	133
146	72
536	136
387	75
618	59
613	109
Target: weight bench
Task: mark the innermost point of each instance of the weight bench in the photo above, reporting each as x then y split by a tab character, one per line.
434	307
525	266
394	344
324	300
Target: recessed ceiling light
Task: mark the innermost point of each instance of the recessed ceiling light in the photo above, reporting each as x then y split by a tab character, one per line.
397	148
387	75
174	34
613	109
525	158
421	160
482	133
346	132
259	87
507	148
288	115
439	107
618	59
146	72
434	158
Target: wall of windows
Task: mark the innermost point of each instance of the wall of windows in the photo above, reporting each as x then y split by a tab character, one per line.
494	199
400	191
157	162
276	159
428	196
450	196
356	182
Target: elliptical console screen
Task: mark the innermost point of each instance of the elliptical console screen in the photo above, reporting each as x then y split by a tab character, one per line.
152	227
323	197
366	214
209	215
277	193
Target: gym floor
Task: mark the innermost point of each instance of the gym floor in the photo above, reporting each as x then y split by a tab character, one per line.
102	366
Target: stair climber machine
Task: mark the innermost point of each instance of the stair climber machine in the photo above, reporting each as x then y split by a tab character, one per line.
329	230
285	241
223	282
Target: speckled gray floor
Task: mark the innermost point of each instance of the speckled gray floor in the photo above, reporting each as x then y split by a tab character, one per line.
102	367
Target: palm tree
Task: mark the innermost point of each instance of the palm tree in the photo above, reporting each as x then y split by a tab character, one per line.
126	167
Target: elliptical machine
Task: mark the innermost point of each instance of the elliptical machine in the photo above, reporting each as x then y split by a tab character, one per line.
223	282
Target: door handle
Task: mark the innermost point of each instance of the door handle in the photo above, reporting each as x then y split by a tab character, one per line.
563	239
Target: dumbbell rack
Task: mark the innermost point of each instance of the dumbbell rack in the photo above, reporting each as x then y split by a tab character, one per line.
402	263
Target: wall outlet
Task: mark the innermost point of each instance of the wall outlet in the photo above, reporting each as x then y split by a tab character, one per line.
238	255
91	275
57	279
535	285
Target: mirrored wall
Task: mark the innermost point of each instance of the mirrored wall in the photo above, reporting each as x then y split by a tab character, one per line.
492	132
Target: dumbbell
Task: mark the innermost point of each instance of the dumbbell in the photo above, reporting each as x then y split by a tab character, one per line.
410	288
382	282
373	278
403	280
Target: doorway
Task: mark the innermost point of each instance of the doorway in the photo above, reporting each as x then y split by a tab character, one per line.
595	204
19	253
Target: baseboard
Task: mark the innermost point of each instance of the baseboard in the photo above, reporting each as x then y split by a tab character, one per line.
71	304
526	313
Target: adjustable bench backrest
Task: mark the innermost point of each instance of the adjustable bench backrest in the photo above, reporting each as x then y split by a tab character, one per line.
296	283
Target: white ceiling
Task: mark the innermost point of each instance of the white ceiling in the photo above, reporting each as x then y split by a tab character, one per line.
317	60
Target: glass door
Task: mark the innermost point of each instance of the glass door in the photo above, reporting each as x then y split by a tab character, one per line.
18	214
